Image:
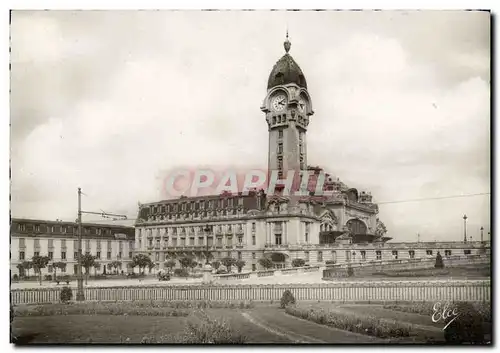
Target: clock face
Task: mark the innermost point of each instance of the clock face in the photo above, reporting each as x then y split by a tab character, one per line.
279	102
302	105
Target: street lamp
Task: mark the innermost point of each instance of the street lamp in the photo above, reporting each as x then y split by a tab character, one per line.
482	234
207	254
465	228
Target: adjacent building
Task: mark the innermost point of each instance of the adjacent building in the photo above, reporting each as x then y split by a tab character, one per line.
58	240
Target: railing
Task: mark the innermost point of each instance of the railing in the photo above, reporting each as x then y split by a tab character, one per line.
265	273
370	291
231	276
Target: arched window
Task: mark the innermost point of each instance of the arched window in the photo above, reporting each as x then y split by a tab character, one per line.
356	226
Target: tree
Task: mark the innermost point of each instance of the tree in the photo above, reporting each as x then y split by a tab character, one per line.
298	262
266	263
151	265
97	266
186	262
193	264
20	267
40	262
142	261
240	264
88	261
381	229
27	265
228	262
170	264
58	265
439	261
216	265
116	264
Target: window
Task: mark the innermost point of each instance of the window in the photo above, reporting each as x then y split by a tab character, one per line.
395	254
130	254
21	227
378	255
51	255
334	256
240	240
306	253
21	255
75	255
108	255
50	229
467	252
157	257
37	228
253	240
280	148
22	243
36	253
109	244
253	255
229	254
253	226
447	253
412	254
37	243
219	241
98	255
63	243
363	255
119	256
280	133
320	256
277	238
63	255
306	237
51	243
429	252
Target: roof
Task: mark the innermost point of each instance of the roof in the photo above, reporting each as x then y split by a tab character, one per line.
285	71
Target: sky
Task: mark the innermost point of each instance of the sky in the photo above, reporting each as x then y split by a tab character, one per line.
110	100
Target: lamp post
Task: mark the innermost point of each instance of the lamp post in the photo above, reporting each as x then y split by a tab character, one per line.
482	234
207	254
465	228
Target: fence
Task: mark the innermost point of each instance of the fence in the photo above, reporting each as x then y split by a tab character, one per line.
372	291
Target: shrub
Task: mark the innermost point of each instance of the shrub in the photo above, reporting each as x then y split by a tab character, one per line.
181	272
48	277
330	262
298	262
15	277
351	322
66	294
467	327
211	331
439	261
287	299
350	271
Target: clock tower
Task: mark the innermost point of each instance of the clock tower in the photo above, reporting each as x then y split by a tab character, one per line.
288	108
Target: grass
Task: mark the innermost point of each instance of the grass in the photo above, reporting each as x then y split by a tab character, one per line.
367	325
136	308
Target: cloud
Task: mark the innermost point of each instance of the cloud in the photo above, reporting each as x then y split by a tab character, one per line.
108	101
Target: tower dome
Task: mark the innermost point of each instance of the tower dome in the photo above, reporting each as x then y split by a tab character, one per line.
286	70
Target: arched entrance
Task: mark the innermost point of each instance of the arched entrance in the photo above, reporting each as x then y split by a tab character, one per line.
356	226
278	259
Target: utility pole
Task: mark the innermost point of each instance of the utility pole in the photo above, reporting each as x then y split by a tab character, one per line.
80	296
